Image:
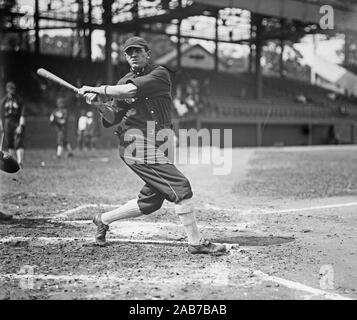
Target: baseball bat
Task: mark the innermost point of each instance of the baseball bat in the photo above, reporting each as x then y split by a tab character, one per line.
52	77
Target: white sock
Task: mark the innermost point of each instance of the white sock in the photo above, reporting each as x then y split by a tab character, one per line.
188	220
128	210
59	151
20	155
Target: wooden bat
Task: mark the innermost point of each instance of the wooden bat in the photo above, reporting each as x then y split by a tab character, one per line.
52	77
107	110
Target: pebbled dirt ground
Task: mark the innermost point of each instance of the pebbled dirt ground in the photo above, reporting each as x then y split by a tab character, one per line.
292	211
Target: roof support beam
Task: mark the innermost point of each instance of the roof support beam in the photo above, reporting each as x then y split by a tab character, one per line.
37	28
258	54
108	26
216	43
178	45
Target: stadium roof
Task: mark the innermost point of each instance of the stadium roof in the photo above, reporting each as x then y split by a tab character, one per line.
345	11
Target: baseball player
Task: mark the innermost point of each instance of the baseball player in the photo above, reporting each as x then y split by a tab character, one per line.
59	118
89	132
146	91
12	122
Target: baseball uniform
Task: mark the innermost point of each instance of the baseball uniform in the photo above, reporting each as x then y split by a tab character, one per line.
152	103
11	110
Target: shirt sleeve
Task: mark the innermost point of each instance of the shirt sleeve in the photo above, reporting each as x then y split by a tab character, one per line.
156	83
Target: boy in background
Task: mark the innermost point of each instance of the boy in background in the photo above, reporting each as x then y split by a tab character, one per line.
89	132
59	119
81	129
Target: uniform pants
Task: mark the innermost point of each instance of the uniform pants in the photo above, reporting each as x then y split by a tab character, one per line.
162	181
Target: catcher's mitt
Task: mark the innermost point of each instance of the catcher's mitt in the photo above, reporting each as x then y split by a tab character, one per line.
113	111
8	163
107	112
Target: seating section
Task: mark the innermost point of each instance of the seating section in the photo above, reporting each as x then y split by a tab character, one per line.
233	95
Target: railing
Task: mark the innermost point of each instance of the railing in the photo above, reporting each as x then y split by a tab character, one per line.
231	107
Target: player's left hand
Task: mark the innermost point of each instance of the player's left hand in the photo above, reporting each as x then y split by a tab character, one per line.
87	89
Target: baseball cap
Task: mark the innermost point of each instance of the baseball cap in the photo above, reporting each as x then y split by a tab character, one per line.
136	42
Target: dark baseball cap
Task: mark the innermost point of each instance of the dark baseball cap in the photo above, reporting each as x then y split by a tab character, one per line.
136	42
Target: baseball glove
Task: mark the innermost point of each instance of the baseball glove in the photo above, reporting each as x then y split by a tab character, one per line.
8	163
107	112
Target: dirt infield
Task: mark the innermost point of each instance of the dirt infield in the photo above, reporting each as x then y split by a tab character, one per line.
288	216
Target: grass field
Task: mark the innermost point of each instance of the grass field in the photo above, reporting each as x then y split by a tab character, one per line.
287	214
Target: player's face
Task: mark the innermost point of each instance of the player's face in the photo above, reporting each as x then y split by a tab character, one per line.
137	57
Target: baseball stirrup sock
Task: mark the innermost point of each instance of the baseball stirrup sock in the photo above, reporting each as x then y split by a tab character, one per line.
59	151
128	210
20	155
188	220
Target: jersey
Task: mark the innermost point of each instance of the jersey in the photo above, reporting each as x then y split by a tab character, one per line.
152	102
82	123
59	118
12	109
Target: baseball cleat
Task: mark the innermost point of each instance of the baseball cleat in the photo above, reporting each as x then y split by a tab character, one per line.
207	247
101	230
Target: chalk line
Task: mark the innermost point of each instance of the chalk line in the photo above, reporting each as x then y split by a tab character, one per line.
301	287
278	211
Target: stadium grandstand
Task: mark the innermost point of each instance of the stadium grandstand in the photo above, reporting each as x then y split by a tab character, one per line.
266	96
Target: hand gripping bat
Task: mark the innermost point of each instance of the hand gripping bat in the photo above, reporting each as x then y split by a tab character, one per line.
106	110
